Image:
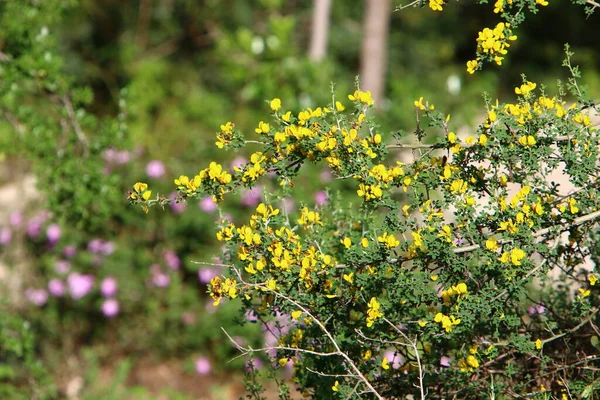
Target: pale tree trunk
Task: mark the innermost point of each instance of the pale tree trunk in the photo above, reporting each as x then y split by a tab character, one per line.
373	60
320	29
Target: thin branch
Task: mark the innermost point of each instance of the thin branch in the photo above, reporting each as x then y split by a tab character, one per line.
562	227
351	364
75	122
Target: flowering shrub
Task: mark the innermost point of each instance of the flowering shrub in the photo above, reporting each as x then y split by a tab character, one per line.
463	272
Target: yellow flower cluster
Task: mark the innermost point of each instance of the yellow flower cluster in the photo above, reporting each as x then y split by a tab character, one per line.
225	136
458	290
468	364
515	256
220	288
447	322
493	42
373	312
390	241
436	5
363	97
140	190
309	218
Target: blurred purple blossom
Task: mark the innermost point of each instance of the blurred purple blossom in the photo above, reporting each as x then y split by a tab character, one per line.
206	274
53	233
5	236
56	287
62	266
110	308
325	176
288	204
203	366
39	297
108	287
69	251
238	162
79	285
208	205
16	219
176	207
155	169
321	198
188	318
172	260
252	197
159	278
34	227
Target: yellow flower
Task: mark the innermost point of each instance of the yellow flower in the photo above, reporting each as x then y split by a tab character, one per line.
339	106
389	240
525	88
592	279
385	363
296	314
364	242
336	386
287	116
472	66
346	242
538	344
275	104
541	2
452	137
492	244
584	292
436	5
363	97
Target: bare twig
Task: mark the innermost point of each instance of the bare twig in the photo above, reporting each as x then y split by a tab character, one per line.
75	122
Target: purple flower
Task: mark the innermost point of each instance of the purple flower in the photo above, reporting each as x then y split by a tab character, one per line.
531	310
325	176
445	361
172	260
110	155
110	308
62	266
252	197
56	287
176	207
79	285
208	205
70	251
34	227
107	248
159	278
238	162
289	204
16	219
321	198
203	366
108	287
540	309
122	157
155	169
95	246
5	236
53	233
39	297
206	274
188	318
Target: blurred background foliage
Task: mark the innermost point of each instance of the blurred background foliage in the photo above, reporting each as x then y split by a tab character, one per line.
150	82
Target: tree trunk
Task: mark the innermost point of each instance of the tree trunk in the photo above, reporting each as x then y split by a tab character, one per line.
374	48
320	29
